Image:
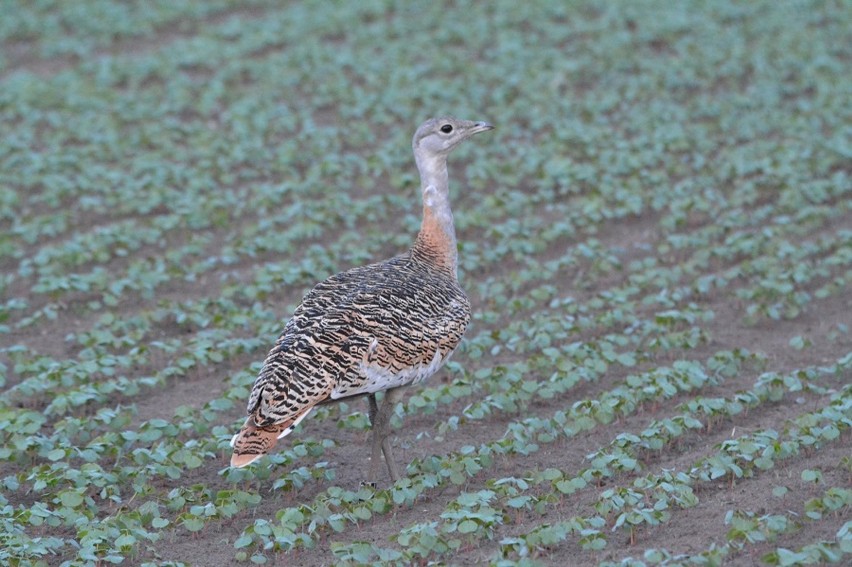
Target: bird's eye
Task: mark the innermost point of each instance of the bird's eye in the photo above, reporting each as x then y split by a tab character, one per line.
447	128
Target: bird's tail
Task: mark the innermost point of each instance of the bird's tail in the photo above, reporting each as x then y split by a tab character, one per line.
253	442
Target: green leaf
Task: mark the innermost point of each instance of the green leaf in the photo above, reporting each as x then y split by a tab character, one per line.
626	359
125	540
787	557
809	475
468	526
779	491
56	454
570	486
192	461
159	523
70	498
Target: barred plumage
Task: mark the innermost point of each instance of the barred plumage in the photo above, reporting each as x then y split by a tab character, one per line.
371	328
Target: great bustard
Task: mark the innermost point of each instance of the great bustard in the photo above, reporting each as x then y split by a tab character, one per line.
378	327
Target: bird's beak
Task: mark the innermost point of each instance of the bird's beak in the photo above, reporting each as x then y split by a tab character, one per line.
480	127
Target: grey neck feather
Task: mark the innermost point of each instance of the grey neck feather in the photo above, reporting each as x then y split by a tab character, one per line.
434	184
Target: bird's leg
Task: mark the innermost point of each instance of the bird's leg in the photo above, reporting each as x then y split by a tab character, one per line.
374	408
381	444
376	450
391	397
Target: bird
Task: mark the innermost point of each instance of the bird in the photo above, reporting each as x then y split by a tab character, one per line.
375	328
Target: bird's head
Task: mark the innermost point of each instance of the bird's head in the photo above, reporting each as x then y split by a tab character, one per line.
438	136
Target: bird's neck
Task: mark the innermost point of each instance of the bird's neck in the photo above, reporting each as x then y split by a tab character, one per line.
436	241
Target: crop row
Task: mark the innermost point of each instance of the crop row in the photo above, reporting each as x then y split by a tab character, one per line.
476	513
172	453
511	237
92	376
455	468
649	499
144	276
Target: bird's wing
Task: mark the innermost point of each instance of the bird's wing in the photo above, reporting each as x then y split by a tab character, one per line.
405	329
304	362
383	323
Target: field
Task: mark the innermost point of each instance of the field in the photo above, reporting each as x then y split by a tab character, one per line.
656	241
